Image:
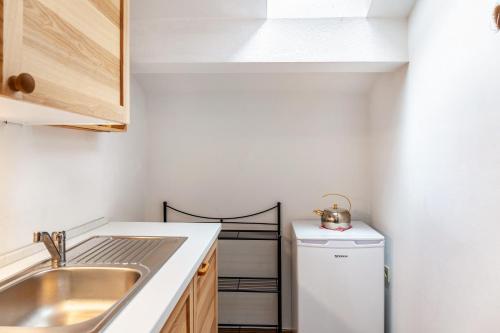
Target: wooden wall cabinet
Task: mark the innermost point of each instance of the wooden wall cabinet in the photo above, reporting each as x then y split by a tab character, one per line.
70	56
196	311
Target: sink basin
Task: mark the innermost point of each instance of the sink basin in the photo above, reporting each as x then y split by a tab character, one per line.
101	276
64	296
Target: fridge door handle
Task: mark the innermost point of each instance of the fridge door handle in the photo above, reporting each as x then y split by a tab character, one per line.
340	244
312	242
369	243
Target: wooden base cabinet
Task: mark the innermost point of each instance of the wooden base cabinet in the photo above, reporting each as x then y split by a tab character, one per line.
196	311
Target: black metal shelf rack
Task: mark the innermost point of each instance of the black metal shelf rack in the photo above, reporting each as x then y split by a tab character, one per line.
250	231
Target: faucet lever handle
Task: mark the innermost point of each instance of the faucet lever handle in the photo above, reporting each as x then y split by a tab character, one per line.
38	236
59	235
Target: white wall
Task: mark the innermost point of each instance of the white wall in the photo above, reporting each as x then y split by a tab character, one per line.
54	178
240	150
436	162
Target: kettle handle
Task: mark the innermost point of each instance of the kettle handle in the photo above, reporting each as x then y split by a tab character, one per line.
318	212
339	195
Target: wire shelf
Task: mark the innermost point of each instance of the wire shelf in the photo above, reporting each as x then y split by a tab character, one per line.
247	328
248	285
249	235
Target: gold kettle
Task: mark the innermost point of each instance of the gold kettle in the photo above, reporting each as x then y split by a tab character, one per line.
335	218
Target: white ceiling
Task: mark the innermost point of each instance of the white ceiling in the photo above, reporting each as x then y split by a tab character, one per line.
148	9
143	11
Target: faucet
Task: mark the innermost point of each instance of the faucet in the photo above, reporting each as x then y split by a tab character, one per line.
55	244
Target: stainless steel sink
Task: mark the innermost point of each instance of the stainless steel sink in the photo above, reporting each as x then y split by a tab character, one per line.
65	296
101	276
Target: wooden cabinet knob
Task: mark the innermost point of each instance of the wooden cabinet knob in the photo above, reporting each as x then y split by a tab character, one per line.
23	82
203	269
496	16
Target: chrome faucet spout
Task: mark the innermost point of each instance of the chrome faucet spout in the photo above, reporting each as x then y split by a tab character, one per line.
55	244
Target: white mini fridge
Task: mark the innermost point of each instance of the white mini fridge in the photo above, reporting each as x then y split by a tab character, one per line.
338	279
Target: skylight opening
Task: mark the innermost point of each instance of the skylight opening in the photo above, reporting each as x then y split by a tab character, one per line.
317	8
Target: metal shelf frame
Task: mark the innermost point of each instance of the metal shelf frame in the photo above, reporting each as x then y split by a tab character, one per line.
256	231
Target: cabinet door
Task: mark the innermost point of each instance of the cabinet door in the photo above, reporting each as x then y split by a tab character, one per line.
75	51
181	318
205	291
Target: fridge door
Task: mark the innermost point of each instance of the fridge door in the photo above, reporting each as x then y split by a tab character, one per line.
339	289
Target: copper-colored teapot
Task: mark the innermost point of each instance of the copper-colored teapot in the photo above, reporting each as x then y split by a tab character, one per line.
335	218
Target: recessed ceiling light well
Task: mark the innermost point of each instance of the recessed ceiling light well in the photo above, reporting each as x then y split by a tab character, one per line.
317	8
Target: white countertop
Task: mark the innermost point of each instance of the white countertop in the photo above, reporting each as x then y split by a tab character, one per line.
148	310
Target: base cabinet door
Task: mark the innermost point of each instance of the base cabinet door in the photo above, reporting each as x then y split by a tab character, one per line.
182	318
196	311
205	295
